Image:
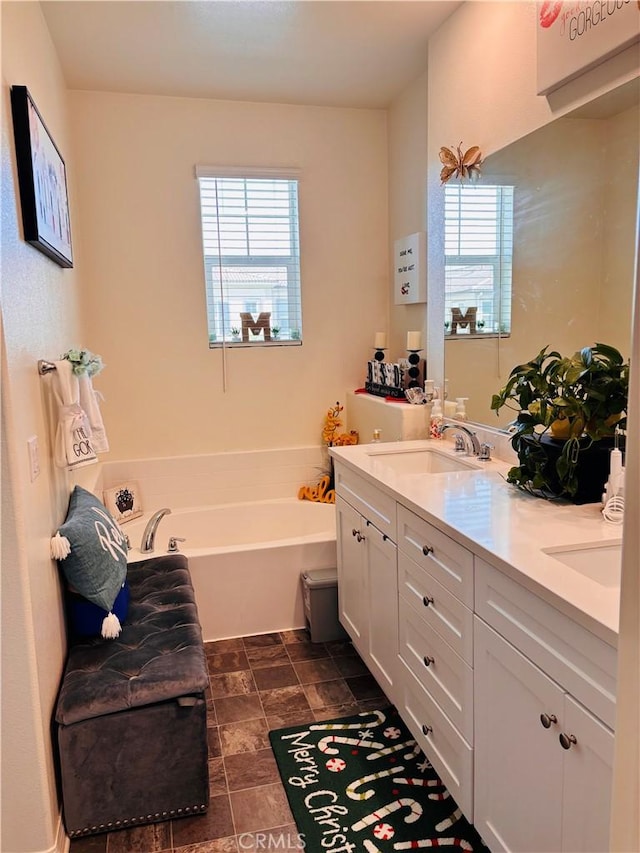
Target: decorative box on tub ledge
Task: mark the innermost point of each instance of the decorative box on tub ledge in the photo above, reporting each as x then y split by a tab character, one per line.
397	421
131	712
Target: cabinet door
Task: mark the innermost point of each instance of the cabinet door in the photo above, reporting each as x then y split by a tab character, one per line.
352	605
588	767
518	766
382	606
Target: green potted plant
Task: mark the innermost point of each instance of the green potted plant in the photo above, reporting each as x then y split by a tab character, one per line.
235	334
275	332
568	409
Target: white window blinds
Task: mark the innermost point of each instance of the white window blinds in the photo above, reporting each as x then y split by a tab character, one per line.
478	258
251	257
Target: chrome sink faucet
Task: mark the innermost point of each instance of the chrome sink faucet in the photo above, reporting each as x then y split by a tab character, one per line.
469	440
149	535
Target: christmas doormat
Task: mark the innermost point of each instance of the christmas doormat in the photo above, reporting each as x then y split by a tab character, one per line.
362	784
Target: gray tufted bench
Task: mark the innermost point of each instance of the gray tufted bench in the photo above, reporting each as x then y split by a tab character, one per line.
131	713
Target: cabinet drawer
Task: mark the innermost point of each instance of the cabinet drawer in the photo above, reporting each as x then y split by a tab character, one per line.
450	563
376	506
574	657
445	613
446	749
438	668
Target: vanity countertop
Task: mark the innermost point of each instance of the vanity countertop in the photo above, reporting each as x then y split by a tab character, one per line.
503	525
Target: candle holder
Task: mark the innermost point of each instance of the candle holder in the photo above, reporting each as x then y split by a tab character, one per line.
416	370
379	353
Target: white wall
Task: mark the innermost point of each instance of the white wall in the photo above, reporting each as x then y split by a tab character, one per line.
143	292
40	320
407	197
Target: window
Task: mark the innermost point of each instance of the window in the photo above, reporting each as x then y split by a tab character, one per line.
478	259
251	257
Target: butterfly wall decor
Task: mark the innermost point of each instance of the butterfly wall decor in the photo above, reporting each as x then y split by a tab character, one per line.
459	165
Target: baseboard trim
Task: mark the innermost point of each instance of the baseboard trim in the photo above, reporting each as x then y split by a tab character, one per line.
63	841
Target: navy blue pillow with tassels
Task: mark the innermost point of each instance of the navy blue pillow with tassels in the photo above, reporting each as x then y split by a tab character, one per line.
91	550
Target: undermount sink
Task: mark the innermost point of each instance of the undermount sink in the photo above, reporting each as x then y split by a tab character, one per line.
600	561
420	461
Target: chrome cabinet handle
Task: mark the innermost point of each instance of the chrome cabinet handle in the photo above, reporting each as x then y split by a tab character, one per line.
354	532
426	550
427	600
547	719
567	740
428	660
360	537
426	730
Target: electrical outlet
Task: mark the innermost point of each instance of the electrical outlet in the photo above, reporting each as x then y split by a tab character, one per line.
34	457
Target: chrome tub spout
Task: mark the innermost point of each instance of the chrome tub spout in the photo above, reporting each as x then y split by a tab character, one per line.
149	535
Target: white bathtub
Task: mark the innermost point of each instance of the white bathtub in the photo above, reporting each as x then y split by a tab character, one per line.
245	560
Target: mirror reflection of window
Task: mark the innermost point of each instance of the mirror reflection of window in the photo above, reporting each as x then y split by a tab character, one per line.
478	232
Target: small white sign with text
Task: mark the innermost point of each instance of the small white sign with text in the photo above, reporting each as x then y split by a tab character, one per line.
410	279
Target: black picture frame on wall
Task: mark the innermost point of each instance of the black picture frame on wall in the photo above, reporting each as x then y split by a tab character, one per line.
42	178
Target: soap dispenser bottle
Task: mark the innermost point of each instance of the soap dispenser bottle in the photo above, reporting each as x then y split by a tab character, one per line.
461	412
436	419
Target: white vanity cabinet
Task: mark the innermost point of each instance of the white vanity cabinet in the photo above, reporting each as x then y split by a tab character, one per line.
367	575
435	581
543	760
499	679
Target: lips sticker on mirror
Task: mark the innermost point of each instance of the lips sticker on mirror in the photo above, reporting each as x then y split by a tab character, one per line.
549	11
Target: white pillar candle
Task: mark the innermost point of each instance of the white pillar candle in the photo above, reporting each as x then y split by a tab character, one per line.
414	340
380	341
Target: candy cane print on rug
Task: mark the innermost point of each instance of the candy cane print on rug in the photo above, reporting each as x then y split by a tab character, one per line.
415	810
351	789
425	783
362	784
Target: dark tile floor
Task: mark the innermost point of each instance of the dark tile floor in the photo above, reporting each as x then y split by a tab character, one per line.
256	683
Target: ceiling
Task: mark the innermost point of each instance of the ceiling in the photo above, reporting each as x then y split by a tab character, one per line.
346	53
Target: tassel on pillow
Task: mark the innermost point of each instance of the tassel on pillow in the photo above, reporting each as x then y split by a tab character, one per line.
111	626
60	547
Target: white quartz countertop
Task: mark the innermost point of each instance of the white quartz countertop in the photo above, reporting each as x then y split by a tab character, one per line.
503	525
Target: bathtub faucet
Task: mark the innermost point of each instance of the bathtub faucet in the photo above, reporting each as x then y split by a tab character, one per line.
149	535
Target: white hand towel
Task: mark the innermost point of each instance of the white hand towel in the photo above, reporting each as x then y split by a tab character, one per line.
89	403
73	448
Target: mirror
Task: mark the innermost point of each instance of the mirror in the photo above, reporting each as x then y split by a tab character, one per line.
574	236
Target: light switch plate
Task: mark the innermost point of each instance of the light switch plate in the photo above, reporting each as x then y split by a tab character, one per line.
34	457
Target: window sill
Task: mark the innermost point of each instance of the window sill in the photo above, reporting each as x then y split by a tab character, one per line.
252	344
463	336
